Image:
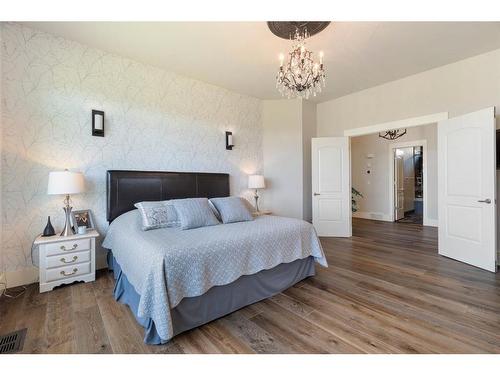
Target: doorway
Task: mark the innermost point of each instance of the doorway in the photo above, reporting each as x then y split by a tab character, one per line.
408	185
374	161
408	179
466	202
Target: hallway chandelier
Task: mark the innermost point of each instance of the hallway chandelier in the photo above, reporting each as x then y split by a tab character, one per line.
391	135
300	76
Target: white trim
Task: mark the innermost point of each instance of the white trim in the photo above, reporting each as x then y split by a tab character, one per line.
405	123
431	222
392	147
371	216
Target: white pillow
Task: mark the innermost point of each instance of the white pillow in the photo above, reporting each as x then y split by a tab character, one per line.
194	213
232	209
159	214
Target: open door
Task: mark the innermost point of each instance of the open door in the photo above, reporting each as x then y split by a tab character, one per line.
399	189
467	191
331	187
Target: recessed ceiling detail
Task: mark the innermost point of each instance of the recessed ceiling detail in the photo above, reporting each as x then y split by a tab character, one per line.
287	29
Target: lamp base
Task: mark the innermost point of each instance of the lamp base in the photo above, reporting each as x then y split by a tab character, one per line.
256	197
68	230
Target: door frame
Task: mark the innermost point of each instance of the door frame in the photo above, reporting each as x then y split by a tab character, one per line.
392	147
391	125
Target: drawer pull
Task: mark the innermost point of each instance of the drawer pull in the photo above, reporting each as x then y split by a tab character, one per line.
69	261
69	274
63	248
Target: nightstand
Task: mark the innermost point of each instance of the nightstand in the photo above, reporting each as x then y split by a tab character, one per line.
63	260
262	212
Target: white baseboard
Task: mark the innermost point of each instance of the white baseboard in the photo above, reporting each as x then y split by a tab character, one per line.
384	217
371	216
431	222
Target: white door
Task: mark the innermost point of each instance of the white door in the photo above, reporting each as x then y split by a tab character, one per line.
467	177
399	189
331	187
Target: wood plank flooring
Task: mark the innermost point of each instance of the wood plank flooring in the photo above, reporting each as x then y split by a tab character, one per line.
386	291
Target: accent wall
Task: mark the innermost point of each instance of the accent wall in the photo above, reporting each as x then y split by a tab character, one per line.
154	120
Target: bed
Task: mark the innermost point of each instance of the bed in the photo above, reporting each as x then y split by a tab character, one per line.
174	280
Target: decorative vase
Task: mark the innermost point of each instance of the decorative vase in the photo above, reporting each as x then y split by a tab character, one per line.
49	229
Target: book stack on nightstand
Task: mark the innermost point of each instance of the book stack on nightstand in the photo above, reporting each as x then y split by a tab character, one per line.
66	259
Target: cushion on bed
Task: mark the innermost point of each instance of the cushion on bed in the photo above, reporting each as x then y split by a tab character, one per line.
194	213
232	209
158	214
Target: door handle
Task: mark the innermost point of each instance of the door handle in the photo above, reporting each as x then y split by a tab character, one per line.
316	194
487	200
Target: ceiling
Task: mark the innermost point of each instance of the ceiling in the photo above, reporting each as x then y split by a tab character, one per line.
243	56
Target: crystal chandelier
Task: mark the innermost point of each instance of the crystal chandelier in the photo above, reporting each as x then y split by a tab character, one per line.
300	76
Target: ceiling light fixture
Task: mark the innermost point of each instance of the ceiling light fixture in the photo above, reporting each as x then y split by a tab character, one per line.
300	76
391	135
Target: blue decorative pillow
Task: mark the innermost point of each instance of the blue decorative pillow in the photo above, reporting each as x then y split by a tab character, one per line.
158	214
194	213
232	209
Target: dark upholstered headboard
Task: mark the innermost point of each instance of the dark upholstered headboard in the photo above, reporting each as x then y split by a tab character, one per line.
124	188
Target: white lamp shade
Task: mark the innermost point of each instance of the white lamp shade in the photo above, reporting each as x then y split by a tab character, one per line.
256	181
66	183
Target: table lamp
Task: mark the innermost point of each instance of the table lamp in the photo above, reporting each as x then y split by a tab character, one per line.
66	183
256	181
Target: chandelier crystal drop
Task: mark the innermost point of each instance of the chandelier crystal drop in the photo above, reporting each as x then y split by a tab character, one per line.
300	76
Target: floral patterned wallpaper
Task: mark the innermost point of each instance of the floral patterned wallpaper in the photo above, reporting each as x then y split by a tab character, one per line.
154	120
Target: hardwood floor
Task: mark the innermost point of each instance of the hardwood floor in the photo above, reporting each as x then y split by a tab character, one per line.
386	291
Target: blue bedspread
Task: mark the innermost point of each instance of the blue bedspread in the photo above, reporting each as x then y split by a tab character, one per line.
165	265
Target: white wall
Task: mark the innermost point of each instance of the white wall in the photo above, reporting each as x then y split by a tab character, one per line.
282	150
457	88
154	120
308	132
376	186
288	126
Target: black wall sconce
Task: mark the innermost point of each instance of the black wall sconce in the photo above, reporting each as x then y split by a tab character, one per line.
229	141
97	123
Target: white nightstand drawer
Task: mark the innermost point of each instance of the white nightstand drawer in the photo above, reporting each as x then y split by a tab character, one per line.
64	260
67	246
67	259
68	271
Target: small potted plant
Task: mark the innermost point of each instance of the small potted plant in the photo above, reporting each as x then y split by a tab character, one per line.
354	195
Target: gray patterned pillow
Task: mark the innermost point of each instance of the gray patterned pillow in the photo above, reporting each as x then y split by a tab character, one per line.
232	209
194	213
159	214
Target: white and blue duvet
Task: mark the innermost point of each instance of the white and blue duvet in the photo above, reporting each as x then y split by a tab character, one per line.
165	265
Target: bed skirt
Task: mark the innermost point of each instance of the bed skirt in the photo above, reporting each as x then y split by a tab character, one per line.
218	301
